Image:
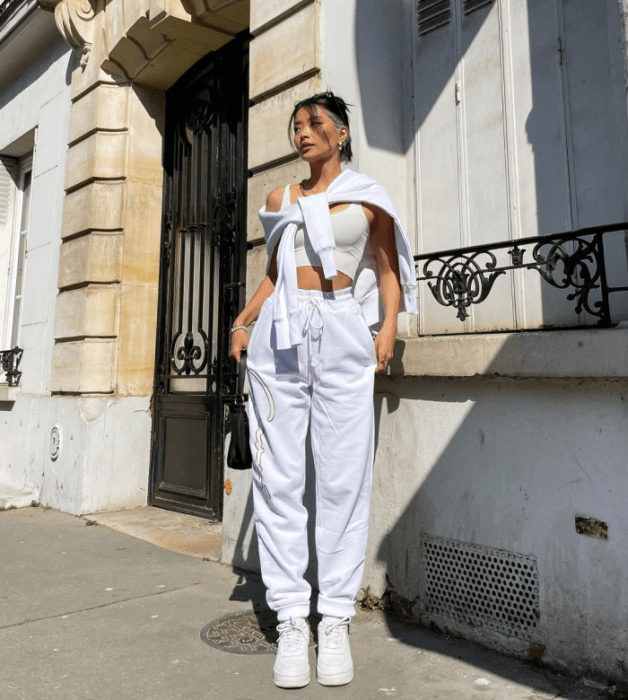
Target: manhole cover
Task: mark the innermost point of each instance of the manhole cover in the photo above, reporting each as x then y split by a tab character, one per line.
244	633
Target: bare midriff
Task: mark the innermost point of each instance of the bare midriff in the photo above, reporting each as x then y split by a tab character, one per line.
314	278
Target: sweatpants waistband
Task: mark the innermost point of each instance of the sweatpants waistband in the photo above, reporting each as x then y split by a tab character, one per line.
340	298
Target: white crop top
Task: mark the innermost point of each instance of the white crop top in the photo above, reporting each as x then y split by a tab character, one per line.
351	232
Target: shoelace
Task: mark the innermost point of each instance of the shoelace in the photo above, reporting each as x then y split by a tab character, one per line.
292	638
334	634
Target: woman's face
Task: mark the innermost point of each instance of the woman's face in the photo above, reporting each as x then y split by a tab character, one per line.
315	134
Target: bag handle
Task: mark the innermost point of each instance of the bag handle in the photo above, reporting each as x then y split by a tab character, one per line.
239	399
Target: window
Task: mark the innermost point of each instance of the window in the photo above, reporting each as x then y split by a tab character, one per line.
15	189
520	121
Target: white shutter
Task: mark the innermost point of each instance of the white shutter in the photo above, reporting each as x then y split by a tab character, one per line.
8	175
521	131
433	14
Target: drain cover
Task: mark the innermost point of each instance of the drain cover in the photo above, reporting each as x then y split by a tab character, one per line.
243	633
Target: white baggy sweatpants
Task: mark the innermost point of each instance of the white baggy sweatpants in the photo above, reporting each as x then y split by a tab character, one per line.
325	383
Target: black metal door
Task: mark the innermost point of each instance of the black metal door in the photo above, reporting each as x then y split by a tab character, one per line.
202	275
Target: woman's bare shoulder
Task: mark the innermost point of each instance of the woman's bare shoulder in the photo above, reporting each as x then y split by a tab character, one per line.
376	216
274	199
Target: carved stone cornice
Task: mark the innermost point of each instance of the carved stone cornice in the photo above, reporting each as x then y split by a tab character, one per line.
226	15
200	7
74	20
151	42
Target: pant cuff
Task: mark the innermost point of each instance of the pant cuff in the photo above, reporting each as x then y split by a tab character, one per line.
336	608
296	610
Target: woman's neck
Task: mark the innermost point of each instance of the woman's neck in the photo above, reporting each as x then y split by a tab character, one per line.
322	174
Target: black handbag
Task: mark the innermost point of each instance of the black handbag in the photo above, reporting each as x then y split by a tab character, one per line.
239	453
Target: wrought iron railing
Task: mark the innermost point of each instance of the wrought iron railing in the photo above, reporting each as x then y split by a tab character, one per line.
573	261
9	363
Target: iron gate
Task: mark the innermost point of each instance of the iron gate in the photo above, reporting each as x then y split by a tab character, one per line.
202	276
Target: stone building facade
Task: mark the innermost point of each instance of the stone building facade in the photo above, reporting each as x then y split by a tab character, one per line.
500	446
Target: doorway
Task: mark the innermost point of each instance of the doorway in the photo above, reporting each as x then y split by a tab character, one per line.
202	278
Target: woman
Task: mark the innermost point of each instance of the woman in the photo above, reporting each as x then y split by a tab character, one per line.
332	240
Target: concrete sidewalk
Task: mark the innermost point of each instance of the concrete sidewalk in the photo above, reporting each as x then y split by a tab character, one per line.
87	612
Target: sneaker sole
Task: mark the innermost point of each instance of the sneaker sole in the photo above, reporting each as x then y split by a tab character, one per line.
292	681
335	678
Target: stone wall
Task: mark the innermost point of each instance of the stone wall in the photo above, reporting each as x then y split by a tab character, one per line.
95	380
126	57
109	266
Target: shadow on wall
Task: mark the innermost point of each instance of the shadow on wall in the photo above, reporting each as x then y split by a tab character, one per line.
508	464
26	66
381	60
74	62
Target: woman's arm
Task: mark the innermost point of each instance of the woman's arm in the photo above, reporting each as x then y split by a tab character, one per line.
383	238
240	338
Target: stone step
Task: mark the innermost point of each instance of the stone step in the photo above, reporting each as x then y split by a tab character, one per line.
17	498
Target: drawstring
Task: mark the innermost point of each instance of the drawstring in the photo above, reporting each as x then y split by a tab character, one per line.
314	307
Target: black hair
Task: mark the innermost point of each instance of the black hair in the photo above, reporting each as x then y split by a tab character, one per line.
336	108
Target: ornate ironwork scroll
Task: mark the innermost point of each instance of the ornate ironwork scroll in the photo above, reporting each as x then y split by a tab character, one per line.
579	269
10	361
573	261
462	280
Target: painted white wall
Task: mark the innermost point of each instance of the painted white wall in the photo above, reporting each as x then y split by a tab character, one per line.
366	53
35	95
509	464
26	89
239	541
39	98
367	60
105	449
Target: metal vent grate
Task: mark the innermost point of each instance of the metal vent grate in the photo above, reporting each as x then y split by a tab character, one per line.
480	586
433	14
471	5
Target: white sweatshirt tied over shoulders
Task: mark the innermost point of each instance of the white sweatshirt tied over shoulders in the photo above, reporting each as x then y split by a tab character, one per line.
280	228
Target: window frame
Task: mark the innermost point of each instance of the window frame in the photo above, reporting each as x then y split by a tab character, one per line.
18	253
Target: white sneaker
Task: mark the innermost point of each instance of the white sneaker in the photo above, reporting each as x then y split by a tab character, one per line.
292	663
335	665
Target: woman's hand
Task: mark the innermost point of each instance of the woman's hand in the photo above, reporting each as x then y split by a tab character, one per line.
239	343
384	347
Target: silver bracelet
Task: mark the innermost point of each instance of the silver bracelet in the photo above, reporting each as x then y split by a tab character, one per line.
237	328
